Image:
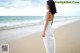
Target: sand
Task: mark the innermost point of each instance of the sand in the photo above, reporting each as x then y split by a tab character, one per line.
67	41
29	44
68	38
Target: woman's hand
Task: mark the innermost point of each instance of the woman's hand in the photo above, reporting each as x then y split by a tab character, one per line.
43	34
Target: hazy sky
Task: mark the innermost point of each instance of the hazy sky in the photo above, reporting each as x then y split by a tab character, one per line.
36	7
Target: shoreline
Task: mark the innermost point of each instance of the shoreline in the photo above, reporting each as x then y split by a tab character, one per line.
23	25
19	26
67	41
7	35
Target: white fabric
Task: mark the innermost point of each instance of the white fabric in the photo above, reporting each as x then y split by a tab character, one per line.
49	39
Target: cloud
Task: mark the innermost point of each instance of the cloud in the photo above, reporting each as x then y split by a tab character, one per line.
68	9
35	7
20	3
22	7
15	4
28	11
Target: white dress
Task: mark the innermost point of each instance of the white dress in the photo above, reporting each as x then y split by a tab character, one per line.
49	39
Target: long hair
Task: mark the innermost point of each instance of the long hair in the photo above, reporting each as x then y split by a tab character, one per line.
52	7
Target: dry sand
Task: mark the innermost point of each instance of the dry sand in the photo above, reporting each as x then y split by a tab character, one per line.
68	38
67	41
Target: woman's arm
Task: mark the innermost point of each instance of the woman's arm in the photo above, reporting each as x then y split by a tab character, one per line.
46	23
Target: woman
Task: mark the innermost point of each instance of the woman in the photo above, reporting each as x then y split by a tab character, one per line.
47	34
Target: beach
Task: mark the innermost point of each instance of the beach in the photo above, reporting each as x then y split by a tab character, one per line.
23	21
29	39
67	41
68	38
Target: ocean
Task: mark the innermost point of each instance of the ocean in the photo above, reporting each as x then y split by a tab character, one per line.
10	22
16	27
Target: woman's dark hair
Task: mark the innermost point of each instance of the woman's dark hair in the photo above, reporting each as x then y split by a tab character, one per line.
52	7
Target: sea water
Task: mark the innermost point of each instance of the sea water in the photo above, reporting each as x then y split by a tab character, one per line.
9	22
27	25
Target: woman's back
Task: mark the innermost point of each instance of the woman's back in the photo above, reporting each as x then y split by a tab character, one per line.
51	17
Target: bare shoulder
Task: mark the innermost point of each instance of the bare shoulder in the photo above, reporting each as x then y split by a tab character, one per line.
49	14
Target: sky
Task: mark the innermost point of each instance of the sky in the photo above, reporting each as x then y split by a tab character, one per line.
36	8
